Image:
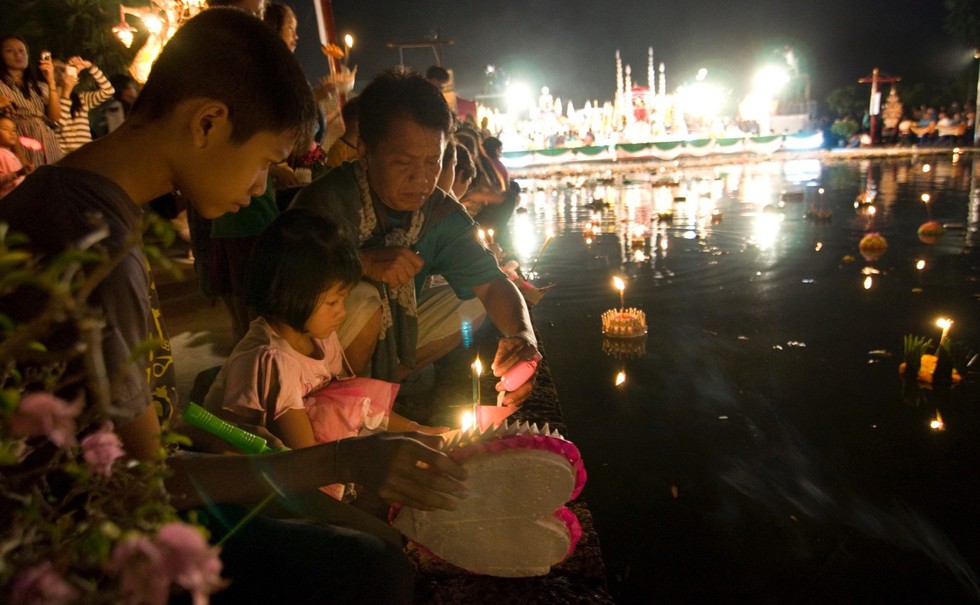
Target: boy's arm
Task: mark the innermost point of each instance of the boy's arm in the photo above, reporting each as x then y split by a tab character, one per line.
398	468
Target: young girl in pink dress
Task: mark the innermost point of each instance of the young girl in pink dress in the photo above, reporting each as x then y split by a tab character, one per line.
289	372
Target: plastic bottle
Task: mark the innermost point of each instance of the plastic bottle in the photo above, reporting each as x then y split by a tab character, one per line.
249	443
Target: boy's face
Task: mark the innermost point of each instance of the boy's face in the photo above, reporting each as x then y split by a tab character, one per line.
403	168
225	175
329	312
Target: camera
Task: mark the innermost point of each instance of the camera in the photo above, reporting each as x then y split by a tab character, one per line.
45	55
71	70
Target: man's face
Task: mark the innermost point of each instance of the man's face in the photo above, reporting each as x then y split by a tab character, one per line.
223	177
403	168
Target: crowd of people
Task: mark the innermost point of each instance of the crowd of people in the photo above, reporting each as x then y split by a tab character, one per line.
340	287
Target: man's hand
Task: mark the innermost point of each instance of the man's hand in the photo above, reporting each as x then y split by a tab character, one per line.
404	468
393	265
510	351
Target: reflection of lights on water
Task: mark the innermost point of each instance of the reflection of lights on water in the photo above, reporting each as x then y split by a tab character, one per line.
639	256
820	191
766	229
482	235
869	271
867	282
871	210
818	247
588	241
525	238
920	264
937	423
926	168
620	378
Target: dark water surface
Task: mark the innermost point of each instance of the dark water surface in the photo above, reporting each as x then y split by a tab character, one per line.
761	448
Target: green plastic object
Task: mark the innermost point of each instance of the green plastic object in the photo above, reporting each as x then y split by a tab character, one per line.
249	443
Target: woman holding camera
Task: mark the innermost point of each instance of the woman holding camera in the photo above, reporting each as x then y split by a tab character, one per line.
32	104
75	127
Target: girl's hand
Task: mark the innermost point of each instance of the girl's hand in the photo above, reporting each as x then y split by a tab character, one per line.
79	63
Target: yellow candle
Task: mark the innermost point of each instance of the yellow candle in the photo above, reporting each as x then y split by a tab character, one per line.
620	285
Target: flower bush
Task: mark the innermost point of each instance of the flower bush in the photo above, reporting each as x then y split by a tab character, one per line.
80	522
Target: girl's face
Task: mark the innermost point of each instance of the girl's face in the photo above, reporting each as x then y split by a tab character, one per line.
8	133
14	54
329	312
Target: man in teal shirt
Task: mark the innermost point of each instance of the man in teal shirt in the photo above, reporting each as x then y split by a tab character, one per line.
407	230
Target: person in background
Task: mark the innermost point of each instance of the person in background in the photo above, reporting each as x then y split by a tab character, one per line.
255	7
345	148
75	127
281	18
110	115
195	128
12	171
465	171
34	105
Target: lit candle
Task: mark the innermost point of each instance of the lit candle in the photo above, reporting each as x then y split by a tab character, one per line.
477	371
867	282
945	324
547	241
937	423
490	236
483	236
620	378
469	419
920	264
348	44
620	285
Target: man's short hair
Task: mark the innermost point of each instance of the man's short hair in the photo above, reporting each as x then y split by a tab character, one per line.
349	111
399	94
298	257
230	56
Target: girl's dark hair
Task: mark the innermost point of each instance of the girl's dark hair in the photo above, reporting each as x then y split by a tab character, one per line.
299	256
30	81
398	94
275	15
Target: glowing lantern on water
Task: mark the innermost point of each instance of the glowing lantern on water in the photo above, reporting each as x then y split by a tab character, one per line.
930	232
873	246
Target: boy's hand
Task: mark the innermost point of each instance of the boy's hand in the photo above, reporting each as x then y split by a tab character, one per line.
403	469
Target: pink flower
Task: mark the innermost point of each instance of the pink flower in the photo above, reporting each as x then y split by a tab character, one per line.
189	560
44	414
101	449
41	585
139	564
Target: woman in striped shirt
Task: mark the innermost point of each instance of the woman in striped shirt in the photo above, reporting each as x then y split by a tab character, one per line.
75	127
32	104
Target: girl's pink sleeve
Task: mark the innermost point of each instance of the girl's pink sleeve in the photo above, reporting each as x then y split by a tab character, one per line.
266	382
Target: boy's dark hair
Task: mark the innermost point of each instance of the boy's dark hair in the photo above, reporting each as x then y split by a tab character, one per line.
230	56
465	167
492	145
400	94
299	256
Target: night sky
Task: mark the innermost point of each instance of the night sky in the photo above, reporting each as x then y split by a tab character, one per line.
569	45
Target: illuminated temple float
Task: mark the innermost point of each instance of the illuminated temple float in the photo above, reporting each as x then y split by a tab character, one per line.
648	122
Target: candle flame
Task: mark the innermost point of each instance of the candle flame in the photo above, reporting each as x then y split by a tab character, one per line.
349	41
926	197
944	323
926	168
482	234
920	265
620	378
937	423
618	283
478	367
468	421
867	283
490	233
